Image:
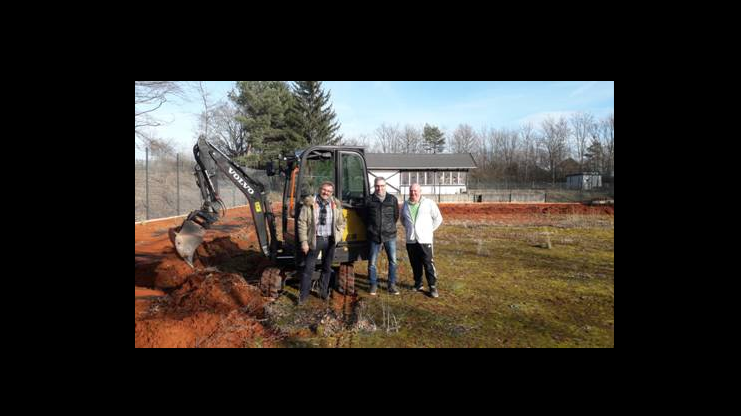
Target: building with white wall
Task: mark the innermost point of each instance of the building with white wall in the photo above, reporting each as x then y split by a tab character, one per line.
437	174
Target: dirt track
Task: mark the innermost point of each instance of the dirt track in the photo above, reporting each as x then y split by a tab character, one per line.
177	306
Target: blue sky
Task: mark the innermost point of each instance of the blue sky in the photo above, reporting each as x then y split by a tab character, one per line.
362	106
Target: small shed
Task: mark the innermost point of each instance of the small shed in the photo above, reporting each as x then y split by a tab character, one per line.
584	180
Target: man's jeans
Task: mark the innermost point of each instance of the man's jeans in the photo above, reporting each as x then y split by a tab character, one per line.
326	246
375	248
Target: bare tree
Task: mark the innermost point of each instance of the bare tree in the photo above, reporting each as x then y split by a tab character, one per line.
509	146
464	139
554	142
411	139
581	125
361	140
227	131
495	143
158	146
389	138
206	116
483	156
528	149
608	142
148	97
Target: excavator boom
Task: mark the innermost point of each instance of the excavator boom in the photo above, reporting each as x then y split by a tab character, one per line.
189	235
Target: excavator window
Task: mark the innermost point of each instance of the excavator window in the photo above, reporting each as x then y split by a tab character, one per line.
319	167
353	179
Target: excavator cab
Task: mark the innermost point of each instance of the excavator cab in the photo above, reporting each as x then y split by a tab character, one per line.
305	172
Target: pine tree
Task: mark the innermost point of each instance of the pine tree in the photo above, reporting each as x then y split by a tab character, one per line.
312	117
434	139
593	156
265	114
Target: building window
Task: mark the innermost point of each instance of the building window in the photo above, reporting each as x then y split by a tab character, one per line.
404	178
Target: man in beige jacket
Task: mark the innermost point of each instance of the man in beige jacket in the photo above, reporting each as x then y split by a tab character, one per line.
320	227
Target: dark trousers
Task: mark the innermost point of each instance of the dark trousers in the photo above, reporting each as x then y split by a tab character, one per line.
326	246
420	257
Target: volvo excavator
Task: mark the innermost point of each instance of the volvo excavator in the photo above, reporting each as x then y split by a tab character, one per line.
302	174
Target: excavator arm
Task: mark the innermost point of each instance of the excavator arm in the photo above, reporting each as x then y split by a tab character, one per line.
189	235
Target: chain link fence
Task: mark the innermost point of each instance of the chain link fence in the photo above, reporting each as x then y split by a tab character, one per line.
165	186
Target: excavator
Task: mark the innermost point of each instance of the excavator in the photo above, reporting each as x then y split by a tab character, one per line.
302	173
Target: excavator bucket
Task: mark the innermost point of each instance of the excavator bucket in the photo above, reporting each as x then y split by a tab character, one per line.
186	239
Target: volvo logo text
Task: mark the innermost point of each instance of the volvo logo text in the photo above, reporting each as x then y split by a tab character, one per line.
241	181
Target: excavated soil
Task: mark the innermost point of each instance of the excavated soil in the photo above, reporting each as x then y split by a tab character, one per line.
210	309
206	306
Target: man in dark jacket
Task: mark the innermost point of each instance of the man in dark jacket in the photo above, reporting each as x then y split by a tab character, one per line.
382	214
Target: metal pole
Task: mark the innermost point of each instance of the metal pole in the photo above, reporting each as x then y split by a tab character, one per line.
177	175
438	186
146	180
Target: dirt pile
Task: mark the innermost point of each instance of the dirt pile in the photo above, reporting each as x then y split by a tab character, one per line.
216	292
210	309
211	305
168	271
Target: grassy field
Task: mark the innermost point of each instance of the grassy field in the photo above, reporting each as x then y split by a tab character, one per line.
500	286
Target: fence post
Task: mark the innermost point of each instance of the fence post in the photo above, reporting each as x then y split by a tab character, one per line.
146	180
177	176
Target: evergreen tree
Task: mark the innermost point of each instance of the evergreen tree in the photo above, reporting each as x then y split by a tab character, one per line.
265	114
311	116
593	159
434	139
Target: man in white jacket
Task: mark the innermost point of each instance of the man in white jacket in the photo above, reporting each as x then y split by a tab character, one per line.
421	217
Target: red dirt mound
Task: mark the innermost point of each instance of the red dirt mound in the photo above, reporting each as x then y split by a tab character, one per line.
210	309
216	292
202	329
165	273
217	251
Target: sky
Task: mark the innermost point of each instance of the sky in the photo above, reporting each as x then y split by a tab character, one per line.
362	106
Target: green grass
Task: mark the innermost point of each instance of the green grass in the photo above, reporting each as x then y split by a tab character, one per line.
498	288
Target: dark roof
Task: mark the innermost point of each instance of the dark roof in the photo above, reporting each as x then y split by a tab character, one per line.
420	161
584	174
